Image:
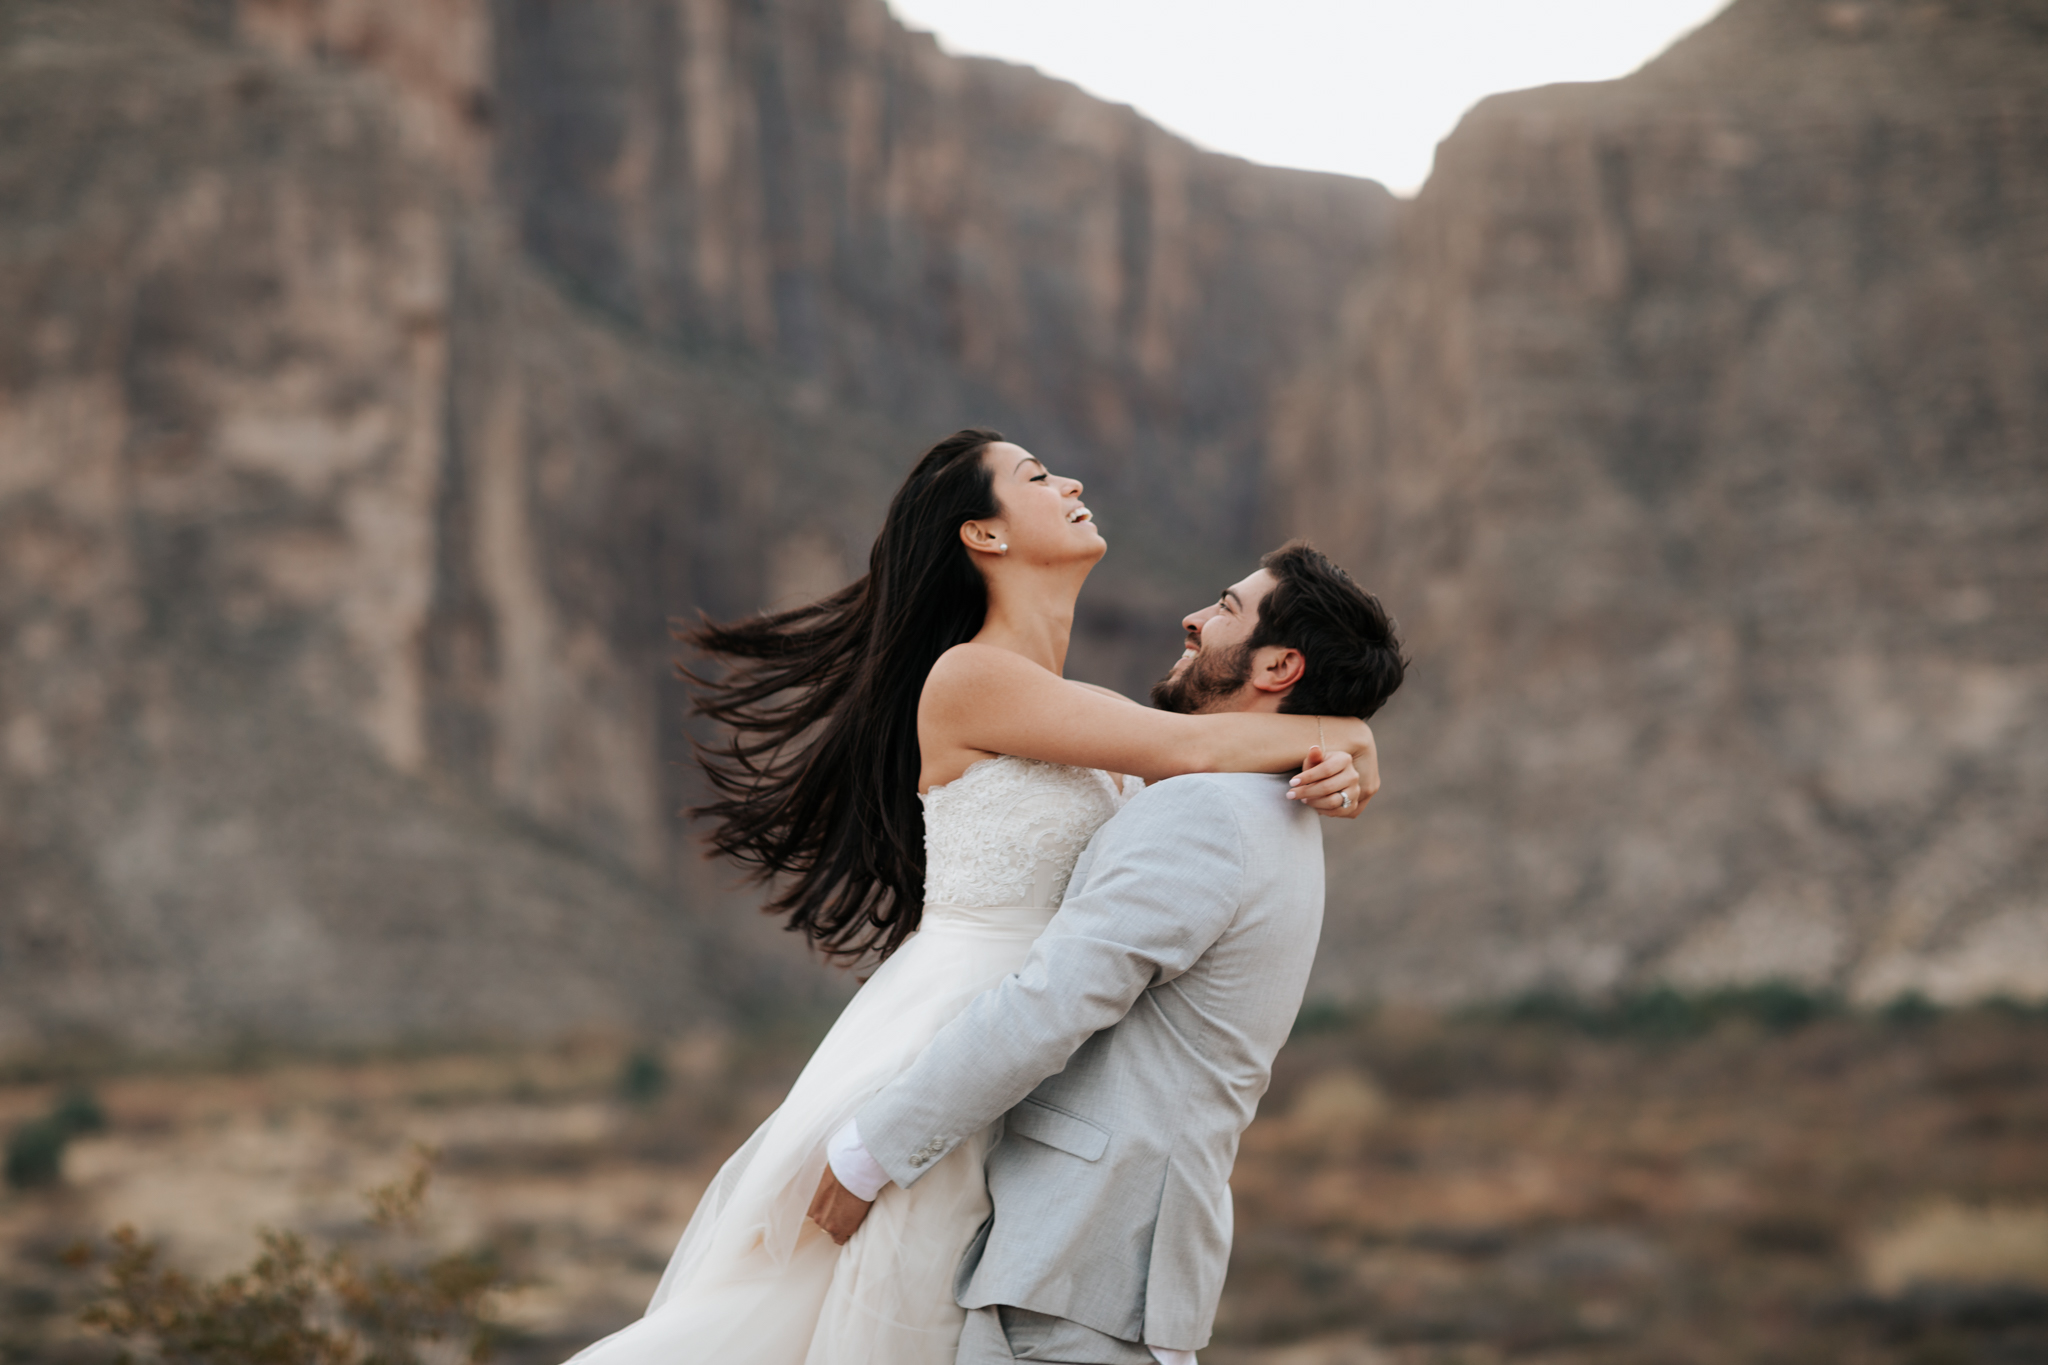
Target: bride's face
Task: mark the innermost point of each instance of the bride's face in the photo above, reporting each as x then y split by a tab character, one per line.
1043	520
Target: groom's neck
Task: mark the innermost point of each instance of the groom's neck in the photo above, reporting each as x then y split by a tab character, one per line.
1247	698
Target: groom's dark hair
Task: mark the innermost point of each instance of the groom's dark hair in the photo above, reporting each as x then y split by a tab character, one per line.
1352	652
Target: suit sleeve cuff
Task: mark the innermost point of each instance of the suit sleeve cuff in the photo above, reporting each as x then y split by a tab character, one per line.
859	1172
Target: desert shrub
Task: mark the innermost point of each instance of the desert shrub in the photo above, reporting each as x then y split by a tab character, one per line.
2013	1007
644	1076
291	1307
35	1150
1325	1015
1539	1007
78	1110
1666	1013
1780	1006
1659	1012
1909	1009
35	1154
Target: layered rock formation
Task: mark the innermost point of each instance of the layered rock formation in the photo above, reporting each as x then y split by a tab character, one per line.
383	375
337	548
1700	435
388	374
911	233
924	235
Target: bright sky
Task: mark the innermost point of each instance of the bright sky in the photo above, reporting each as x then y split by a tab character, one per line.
1361	87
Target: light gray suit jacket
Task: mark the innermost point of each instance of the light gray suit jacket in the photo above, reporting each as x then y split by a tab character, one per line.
1154	1003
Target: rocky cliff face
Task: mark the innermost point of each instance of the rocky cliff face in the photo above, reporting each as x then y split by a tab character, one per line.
336	552
904	232
1699	432
388	375
381	376
926	236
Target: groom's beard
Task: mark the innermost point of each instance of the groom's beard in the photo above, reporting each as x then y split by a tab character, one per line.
1212	676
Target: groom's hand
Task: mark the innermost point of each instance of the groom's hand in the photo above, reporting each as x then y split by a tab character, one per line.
837	1209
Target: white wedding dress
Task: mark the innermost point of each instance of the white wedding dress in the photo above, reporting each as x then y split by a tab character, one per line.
753	1281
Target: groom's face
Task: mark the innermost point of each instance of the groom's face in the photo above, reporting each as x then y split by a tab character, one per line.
1215	668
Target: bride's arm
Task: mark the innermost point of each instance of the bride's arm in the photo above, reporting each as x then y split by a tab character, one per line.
984	699
1321	779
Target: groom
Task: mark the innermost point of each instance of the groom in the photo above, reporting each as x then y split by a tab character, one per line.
1131	1050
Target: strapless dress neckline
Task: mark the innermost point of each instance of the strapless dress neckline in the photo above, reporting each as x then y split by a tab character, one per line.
1005	834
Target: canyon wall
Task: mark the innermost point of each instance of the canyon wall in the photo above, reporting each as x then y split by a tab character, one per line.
381	376
904	231
925	235
387	375
336	552
1699	435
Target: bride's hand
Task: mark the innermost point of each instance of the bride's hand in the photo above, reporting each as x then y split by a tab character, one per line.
1335	786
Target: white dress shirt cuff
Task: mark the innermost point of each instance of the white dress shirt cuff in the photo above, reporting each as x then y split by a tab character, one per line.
860	1173
1166	1357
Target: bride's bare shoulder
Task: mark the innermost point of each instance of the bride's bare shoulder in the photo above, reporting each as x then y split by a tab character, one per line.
971	664
971	674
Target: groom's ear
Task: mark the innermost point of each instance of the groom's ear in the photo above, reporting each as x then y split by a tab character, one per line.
1276	668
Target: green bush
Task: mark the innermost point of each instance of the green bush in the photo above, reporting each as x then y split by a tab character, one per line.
1542	1007
644	1077
35	1150
2012	1007
1664	1012
79	1112
1324	1015
1659	1012
1909	1009
35	1154
1780	1006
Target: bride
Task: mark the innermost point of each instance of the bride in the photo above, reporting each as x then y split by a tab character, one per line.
907	756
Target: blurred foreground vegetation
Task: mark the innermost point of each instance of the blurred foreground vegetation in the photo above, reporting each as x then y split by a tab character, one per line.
1752	1176
291	1306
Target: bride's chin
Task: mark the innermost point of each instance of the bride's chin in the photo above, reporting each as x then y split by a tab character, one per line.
1078	551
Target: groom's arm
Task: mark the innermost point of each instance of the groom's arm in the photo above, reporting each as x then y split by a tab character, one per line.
1166	881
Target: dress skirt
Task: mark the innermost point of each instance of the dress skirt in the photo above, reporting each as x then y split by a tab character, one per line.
753	1281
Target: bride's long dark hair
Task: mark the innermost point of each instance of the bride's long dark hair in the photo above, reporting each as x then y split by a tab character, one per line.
818	780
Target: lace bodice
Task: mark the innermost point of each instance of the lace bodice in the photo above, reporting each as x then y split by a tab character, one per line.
1007	832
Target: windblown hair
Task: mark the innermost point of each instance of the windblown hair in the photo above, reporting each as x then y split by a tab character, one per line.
1351	645
818	780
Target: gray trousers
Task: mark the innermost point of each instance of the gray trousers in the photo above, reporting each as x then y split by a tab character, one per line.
996	1335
